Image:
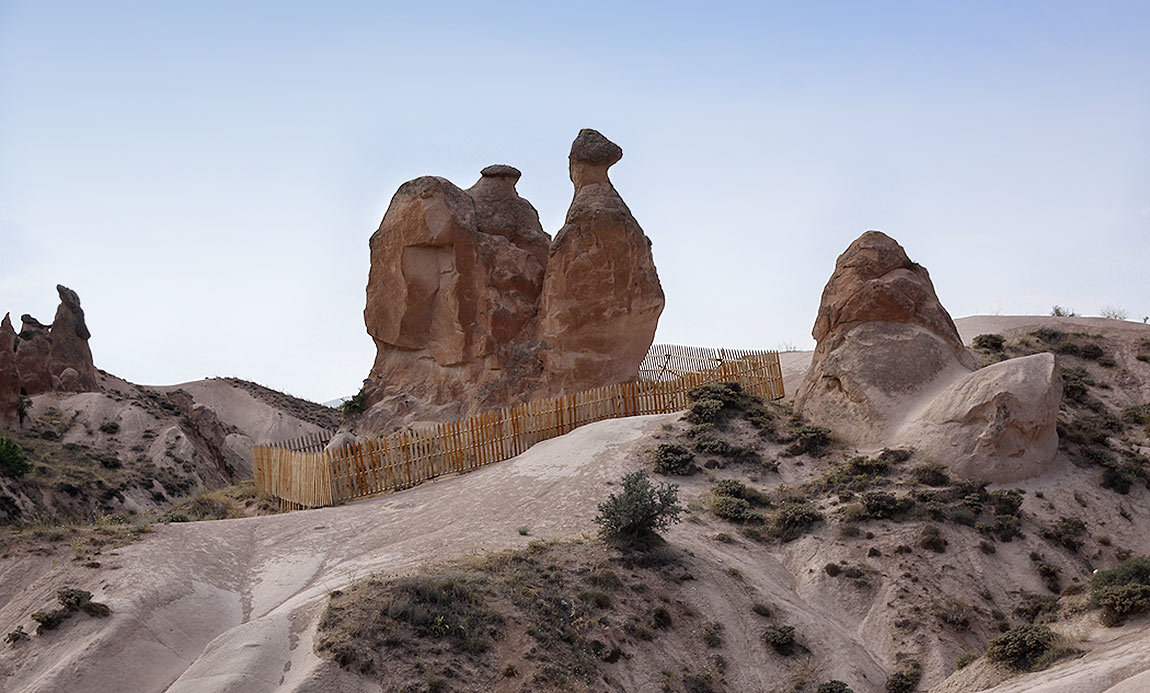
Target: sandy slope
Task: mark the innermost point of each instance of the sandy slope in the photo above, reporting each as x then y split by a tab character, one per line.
232	605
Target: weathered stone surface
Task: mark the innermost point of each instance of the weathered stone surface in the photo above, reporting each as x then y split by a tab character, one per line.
601	296
998	423
884	343
452	297
32	354
9	377
69	343
890	369
472	307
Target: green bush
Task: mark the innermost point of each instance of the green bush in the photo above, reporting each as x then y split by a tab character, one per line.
932	474
674	459
781	638
734	509
1068	532
356	405
737	489
989	342
639	511
794	518
932	540
1023	647
906	679
704	411
883	505
810	440
13	461
1123	590
834	686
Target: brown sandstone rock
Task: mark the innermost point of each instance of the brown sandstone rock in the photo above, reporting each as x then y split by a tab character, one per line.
998	423
452	296
884	345
890	369
9	377
472	307
32	349
69	344
601	297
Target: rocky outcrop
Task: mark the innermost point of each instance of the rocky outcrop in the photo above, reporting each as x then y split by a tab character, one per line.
471	305
998	423
9	377
883	340
52	357
32	354
69	349
890	369
601	296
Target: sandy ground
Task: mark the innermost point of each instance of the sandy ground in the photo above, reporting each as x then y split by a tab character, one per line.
232	605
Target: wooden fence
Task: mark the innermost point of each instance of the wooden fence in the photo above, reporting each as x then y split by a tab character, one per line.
304	475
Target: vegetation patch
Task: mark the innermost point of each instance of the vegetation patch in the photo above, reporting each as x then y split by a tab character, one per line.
675	460
640	511
1122	591
71	601
1028	647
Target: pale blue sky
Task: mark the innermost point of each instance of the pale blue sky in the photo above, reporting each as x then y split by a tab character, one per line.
206	174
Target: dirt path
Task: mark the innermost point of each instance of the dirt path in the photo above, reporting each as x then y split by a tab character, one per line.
232	605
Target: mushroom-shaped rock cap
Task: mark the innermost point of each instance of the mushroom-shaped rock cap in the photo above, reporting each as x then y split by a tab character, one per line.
501	171
593	149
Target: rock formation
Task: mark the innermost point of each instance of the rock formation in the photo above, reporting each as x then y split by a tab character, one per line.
46	358
883	343
890	369
69	349
471	306
601	296
9	377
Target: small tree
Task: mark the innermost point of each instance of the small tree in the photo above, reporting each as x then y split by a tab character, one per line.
639	511
13	461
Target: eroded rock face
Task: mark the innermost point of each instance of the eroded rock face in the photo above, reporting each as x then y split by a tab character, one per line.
884	343
452	296
998	423
53	357
471	306
9	378
69	338
890	369
32	349
601	296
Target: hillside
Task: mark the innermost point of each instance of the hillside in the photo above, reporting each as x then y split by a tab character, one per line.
126	449
895	591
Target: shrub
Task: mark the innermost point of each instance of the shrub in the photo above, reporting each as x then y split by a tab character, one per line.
953	613
1021	648
1122	601
13	461
704	411
734	509
639	511
964	660
355	405
794	518
712	634
989	342
1006	502
1060	312
906	679
16	636
1050	574
1123	590
833	569
1035	605
1068	532
932	539
111	428
834	686
781	638
810	440
737	489
883	505
71	600
932	474
674	459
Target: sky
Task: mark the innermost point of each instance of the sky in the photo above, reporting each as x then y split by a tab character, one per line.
206	175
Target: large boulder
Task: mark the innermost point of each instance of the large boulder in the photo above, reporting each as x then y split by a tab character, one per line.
601	296
998	423
890	369
69	344
9	376
884	343
32	356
